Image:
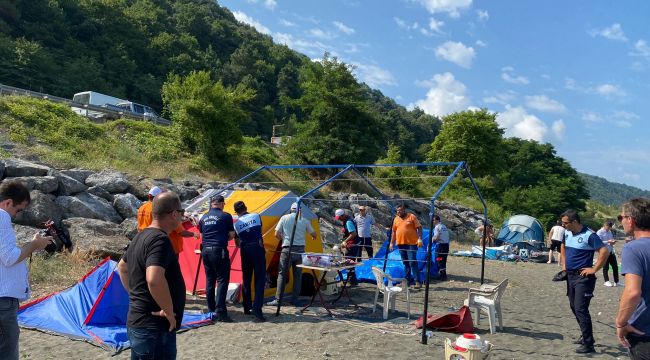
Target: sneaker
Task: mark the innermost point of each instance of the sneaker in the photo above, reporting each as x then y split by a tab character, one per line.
272	303
608	284
579	341
585	349
224	319
259	318
247	312
615	285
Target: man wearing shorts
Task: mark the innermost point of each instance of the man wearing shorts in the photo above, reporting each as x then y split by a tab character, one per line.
556	235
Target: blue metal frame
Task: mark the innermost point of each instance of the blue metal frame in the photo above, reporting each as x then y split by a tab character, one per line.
347	167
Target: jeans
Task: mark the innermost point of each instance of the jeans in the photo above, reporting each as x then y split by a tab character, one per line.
286	263
409	259
365	243
253	263
9	330
216	262
611	260
639	347
580	291
152	344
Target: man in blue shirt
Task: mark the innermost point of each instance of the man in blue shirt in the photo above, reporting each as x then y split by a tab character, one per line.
350	240
216	228
580	244
253	263
633	319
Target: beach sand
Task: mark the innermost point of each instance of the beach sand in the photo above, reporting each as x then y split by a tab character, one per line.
538	324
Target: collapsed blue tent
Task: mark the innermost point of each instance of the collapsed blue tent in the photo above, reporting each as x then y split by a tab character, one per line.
93	310
394	265
521	229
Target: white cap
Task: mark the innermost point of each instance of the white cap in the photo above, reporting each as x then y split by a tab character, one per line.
294	206
339	212
155	191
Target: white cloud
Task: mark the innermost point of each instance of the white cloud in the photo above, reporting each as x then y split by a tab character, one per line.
641	49
374	75
609	90
544	103
482	15
519	123
592	117
457	53
242	17
270	4
311	48
436	25
287	23
508	75
500	98
558	128
480	43
318	33
451	7
627	115
343	28
405	25
445	97
613	32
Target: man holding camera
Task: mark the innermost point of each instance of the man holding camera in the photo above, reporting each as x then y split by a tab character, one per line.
14	282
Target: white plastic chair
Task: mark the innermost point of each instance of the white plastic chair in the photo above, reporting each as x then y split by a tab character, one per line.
488	300
390	292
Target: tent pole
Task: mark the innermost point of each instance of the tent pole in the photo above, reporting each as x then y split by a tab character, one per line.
285	268
426	276
198	268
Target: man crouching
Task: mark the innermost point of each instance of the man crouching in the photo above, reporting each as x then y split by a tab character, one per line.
150	272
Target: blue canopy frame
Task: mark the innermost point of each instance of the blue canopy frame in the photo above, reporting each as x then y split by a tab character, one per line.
344	168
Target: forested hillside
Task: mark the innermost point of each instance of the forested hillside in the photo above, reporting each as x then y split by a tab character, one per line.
225	86
611	193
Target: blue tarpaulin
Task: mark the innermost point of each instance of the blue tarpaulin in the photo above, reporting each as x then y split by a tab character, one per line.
93	310
394	265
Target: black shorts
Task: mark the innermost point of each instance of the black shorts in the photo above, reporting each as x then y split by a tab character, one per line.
555	245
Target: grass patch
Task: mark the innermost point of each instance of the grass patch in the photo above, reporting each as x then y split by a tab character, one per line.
61	270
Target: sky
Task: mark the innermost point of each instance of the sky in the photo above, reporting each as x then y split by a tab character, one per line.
575	74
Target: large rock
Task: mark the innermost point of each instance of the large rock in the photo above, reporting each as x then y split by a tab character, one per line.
46	184
113	182
101	192
126	205
183	192
78	174
88	206
69	185
18	167
24	234
40	209
98	237
129	227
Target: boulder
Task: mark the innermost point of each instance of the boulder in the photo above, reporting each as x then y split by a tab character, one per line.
46	184
113	182
126	205
129	227
78	174
88	206
101	192
18	167
40	209
329	232
69	185
24	234
183	192
101	238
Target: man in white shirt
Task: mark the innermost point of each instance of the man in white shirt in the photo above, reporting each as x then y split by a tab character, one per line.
555	236
441	238
605	234
14	283
364	223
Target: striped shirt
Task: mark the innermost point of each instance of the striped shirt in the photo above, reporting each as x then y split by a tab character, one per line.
13	277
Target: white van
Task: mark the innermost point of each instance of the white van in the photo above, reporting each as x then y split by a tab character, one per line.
95	99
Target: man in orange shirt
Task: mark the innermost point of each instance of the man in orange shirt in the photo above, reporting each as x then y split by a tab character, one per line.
145	218
407	234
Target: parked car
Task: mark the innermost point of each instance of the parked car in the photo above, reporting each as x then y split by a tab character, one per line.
146	112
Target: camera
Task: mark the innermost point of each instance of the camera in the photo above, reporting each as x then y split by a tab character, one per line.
60	238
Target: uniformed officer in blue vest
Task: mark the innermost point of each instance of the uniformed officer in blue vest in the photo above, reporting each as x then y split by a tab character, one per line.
253	262
578	248
216	228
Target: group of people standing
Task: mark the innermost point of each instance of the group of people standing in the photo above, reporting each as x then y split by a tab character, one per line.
578	246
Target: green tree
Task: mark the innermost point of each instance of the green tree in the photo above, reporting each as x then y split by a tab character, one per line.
205	113
472	136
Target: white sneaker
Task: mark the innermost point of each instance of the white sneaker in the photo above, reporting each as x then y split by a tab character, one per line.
609	284
616	285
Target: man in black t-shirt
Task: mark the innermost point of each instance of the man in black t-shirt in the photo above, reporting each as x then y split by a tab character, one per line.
150	272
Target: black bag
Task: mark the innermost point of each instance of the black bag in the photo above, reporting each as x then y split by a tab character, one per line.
561	276
60	238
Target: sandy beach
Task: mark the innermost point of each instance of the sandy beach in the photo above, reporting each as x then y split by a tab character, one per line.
538	324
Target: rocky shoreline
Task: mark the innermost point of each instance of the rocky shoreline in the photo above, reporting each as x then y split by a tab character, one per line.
99	208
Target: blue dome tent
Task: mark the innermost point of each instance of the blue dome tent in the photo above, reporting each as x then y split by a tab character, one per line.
520	229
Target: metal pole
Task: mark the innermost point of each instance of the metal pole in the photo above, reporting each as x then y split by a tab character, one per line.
427	280
285	268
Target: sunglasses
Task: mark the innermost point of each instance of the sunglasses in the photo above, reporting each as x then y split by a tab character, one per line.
621	217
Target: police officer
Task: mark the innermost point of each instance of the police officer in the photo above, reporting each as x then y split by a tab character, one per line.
249	230
580	244
216	229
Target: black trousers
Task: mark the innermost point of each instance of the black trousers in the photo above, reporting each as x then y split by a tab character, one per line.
639	347
611	260
580	290
253	262
442	250
365	243
216	262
